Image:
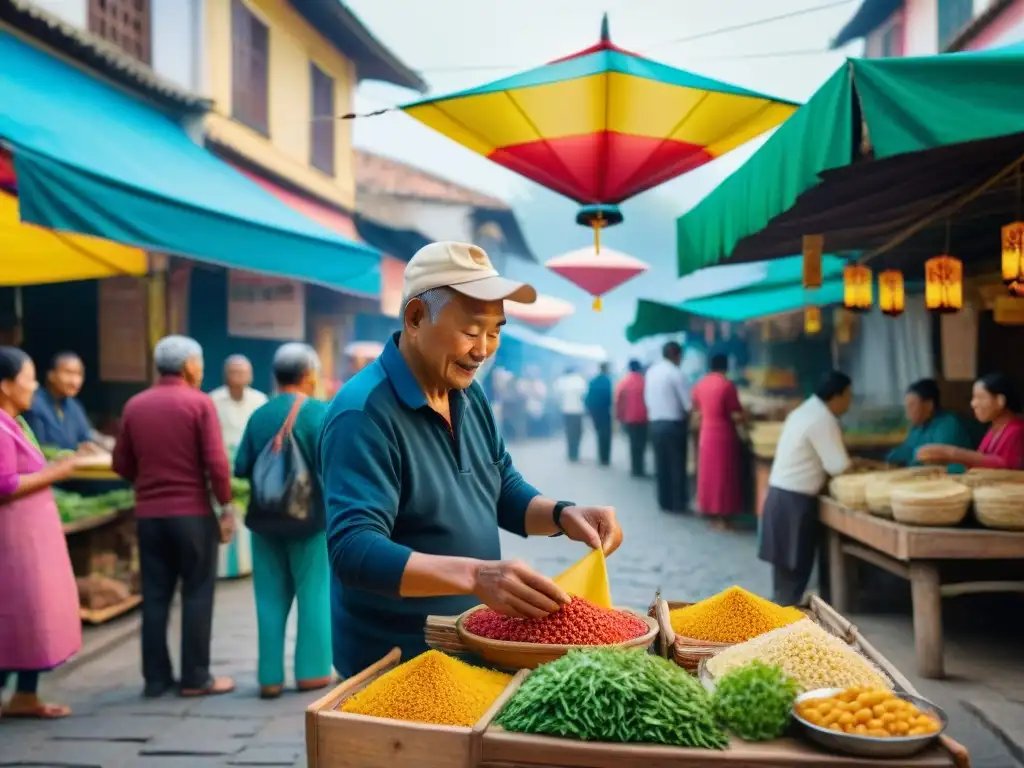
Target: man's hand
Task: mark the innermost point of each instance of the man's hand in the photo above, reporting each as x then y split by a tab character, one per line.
936	454
594	526
226	521
514	589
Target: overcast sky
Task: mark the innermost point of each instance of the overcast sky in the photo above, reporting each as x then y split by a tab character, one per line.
461	43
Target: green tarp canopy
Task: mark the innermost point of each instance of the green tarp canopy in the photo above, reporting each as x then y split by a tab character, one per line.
899	112
779	292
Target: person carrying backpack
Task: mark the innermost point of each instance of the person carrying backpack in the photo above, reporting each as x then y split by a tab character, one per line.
278	455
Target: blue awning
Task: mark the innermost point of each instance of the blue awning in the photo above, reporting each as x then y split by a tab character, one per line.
91	159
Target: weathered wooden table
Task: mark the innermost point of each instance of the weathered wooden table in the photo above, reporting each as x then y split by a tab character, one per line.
913	553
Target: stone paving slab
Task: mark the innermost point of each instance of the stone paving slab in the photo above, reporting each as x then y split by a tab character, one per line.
268	755
105	727
1004	718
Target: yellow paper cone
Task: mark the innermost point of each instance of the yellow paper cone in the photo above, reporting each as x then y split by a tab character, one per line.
588	579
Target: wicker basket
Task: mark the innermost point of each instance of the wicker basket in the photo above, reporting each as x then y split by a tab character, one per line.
878	489
978	478
1000	505
930	502
848	490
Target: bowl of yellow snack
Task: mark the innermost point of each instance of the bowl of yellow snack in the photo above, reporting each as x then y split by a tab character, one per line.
869	722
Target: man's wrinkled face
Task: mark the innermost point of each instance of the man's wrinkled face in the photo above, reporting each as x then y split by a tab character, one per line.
67	377
238	375
459	340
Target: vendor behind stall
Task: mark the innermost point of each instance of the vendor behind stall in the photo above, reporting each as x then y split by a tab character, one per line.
995	402
929	426
810	449
56	417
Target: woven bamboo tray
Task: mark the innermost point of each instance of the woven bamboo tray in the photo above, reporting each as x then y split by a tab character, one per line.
931	503
878	489
336	739
1000	506
977	478
448	634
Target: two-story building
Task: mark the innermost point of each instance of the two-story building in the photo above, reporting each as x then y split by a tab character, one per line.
926	27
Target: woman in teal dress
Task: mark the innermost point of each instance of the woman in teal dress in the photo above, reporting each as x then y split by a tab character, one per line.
291	568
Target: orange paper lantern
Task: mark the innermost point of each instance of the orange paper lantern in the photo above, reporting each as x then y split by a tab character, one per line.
813	245
944	284
812	321
858	290
892	299
1013	252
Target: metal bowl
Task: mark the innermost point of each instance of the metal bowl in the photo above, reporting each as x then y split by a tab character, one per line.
869	746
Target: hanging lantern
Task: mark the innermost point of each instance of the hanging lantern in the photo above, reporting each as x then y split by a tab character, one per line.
857	288
812	320
892	298
596	273
545	312
944	284
813	247
1013	252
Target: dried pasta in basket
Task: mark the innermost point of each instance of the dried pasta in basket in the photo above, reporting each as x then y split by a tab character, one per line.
812	657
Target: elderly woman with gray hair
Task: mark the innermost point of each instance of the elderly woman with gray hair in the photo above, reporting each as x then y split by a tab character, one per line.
171	450
289	556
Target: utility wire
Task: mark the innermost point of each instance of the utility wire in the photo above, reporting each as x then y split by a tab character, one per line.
666	43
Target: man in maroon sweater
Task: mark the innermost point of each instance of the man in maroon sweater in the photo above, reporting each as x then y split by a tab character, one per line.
170	448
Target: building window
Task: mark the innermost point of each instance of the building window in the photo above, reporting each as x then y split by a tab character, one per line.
322	120
954	16
124	23
250	68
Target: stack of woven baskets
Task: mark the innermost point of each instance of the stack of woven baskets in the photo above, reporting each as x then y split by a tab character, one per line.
878	489
939	502
1000	505
849	490
976	478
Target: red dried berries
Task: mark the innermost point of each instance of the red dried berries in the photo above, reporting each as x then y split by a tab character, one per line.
579	622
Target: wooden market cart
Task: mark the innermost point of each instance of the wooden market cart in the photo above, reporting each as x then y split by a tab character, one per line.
914	553
336	739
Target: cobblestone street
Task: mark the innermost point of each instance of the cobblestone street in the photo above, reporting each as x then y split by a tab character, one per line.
114	727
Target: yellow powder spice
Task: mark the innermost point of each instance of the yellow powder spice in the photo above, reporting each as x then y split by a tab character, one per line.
808	654
732	616
431	688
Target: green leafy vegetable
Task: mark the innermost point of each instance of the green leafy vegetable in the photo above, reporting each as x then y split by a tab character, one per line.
73	506
755	701
617	695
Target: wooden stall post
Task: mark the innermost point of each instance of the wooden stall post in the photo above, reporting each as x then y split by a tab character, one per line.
925	589
840	572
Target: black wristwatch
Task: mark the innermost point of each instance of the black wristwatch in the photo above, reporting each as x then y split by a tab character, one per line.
556	515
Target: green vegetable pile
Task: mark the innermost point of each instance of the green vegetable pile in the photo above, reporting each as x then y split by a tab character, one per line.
755	701
52	453
74	507
612	694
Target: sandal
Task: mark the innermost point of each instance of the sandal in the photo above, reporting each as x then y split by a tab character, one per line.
217	687
40	711
270	691
314	683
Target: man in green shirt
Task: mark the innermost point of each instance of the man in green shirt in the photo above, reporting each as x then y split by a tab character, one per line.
929	425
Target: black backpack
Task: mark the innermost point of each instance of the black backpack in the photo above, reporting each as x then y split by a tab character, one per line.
283	488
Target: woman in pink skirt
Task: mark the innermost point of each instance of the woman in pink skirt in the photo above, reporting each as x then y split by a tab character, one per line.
719	486
39	624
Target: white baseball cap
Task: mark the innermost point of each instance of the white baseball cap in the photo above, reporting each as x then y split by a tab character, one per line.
464	268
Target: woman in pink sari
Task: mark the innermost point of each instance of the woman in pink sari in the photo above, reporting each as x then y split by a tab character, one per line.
719	487
995	402
39	624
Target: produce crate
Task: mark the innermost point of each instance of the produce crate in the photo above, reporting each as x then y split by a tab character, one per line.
689	653
504	749
336	739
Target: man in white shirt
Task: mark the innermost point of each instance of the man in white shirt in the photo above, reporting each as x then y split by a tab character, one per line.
809	451
571	392
236	401
667	397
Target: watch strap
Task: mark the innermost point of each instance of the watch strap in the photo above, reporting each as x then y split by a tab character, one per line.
556	515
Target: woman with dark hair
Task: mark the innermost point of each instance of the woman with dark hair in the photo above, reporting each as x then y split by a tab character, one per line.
995	402
39	624
715	398
929	425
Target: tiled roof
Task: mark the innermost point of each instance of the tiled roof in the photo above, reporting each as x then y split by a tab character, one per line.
98	54
376	173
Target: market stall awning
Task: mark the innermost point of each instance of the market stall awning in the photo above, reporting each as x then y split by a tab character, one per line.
657	317
30	255
592	352
869	111
91	159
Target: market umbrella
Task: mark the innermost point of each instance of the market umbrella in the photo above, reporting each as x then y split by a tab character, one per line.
596	276
602	124
545	312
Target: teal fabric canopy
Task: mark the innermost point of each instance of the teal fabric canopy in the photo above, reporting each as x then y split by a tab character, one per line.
779	291
91	159
904	104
